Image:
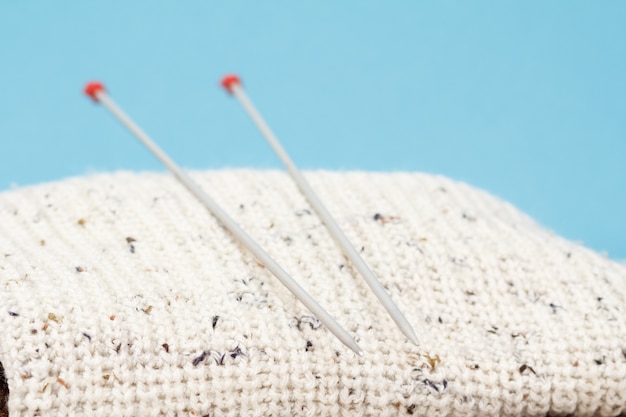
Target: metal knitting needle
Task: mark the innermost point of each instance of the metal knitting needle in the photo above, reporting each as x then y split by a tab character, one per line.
233	85
97	92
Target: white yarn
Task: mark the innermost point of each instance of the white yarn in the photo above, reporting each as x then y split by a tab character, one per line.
120	295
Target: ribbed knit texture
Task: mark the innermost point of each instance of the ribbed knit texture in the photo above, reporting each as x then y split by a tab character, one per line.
121	295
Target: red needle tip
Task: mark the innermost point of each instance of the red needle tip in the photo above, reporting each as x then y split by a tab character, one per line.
229	81
93	88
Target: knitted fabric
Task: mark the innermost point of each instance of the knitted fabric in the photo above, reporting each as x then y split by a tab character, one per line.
121	295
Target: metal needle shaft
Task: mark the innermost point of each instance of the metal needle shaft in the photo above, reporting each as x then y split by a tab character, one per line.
233	85
98	93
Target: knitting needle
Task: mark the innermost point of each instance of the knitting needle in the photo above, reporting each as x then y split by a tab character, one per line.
97	92
233	85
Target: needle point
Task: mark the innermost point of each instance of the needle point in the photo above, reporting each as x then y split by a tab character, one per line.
229	81
410	333
93	88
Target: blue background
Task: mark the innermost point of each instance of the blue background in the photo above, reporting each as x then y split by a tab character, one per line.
526	100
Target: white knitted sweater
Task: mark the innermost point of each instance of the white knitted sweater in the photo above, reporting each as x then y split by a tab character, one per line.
120	295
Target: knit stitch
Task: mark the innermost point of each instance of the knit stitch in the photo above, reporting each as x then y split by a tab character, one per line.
120	295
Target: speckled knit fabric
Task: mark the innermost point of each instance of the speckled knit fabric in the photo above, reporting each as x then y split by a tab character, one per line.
120	295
